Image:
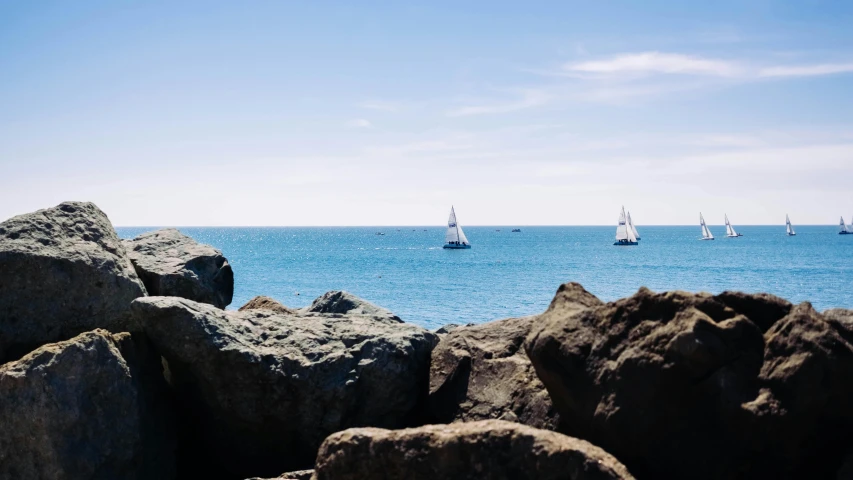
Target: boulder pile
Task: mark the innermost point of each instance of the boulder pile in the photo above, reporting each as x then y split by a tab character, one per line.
118	361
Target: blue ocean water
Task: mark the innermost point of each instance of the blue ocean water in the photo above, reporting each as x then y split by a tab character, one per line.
512	274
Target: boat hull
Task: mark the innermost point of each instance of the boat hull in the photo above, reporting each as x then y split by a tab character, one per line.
734	236
625	243
845	233
792	234
706	239
457	247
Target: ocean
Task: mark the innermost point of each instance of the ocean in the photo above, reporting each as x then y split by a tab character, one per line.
509	274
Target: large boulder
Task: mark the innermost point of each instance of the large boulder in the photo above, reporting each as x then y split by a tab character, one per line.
266	303
91	407
346	303
63	271
172	264
481	372
263	390
681	385
485	450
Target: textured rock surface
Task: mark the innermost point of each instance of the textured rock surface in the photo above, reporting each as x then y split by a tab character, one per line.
678	385
297	475
89	407
175	265
263	389
266	303
63	271
486	450
482	372
445	329
345	302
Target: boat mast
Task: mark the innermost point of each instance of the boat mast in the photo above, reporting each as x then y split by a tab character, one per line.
456	222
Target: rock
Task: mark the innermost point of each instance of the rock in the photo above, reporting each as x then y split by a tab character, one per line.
347	303
297	475
264	389
444	330
266	303
485	450
481	372
174	265
91	407
681	385
64	272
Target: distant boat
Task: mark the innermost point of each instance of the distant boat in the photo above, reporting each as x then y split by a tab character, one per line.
633	227
789	229
730	230
624	231
516	230
380	233
845	230
455	238
706	234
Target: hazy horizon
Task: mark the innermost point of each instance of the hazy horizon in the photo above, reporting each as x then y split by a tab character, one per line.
378	114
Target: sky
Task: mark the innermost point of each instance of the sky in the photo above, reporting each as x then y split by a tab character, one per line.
275	113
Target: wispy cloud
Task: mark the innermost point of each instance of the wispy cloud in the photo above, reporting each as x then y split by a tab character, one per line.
359	123
528	98
806	70
381	105
656	62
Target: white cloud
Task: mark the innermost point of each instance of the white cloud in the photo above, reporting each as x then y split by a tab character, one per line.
359	123
657	62
806	70
529	98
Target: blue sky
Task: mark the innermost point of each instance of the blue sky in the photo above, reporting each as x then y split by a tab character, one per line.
321	113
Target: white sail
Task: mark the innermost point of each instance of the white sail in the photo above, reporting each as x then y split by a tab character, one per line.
632	237
622	227
633	227
789	229
705	232
730	230
843	225
454	231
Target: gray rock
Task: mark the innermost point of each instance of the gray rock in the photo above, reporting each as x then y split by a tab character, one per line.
64	272
680	385
445	329
481	372
265	389
91	407
266	303
172	264
346	303
297	475
485	450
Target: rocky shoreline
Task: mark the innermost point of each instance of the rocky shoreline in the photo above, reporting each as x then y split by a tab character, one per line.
118	361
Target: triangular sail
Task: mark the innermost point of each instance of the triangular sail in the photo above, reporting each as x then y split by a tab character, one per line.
632	237
788	227
730	230
454	231
633	227
705	232
843	225
621	227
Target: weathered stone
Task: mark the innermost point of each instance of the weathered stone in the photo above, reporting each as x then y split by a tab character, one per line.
481	372
297	475
485	450
264	389
266	303
680	385
175	265
64	272
347	303
91	407
445	329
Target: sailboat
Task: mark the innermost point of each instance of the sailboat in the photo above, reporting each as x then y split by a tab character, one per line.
455	238
633	228
625	231
845	230
789	229
730	230
706	234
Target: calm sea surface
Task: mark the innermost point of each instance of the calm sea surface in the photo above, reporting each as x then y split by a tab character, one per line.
511	274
